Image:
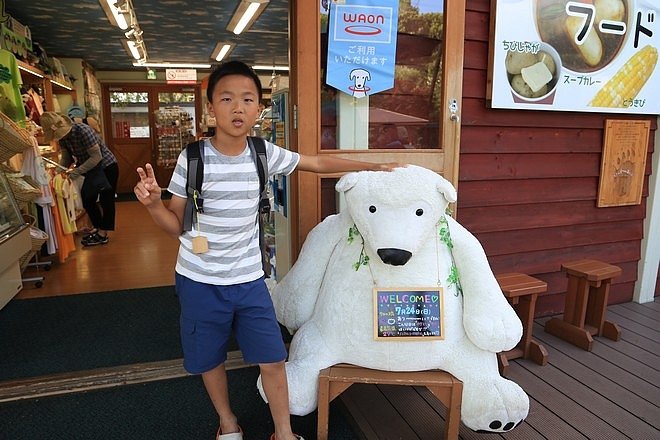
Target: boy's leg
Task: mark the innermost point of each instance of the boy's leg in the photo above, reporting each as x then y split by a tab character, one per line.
215	382
260	339
273	379
206	317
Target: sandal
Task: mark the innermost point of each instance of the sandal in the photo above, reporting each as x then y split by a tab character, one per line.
299	437
231	436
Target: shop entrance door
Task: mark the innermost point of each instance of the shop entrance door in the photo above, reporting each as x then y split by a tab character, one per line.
149	123
128	130
415	122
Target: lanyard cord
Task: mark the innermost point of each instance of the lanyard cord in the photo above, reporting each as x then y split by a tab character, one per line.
195	195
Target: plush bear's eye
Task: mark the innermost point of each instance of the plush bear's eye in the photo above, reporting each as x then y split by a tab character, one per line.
419	212
372	209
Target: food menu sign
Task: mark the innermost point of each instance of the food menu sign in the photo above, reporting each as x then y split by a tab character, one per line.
577	55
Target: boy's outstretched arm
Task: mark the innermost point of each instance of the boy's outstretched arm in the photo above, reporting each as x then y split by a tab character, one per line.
330	164
169	218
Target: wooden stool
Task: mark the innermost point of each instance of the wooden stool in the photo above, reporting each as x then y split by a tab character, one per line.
521	291
586	303
336	379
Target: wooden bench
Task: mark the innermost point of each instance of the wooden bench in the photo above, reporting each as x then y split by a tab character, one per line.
336	379
521	291
586	304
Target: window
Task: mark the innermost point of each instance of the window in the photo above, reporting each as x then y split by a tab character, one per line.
406	116
130	115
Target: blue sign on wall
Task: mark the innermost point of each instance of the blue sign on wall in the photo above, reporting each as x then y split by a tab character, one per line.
362	46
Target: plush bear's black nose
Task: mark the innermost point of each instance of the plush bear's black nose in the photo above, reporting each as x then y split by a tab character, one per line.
395	257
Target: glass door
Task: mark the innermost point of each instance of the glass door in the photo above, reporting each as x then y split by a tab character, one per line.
128	131
149	123
175	121
417	121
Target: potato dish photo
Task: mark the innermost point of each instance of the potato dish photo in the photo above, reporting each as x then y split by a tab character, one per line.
583	47
532	75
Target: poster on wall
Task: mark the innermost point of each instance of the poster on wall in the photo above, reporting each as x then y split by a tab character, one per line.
576	55
362	45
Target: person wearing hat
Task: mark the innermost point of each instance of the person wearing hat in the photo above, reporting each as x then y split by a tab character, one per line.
82	146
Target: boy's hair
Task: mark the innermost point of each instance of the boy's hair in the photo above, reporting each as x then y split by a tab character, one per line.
232	68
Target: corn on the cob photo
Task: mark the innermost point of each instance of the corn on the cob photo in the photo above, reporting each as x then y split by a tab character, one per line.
624	86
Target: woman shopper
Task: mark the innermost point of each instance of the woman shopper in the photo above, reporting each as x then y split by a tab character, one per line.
81	146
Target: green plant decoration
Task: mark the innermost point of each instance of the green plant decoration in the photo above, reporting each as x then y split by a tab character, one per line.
445	236
453	279
363	259
352	233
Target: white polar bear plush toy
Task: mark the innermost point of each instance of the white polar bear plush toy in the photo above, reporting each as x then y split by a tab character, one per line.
397	221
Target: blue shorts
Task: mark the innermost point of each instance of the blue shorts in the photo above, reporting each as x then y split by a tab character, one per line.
210	313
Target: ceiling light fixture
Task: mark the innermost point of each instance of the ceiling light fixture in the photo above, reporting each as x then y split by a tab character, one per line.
122	14
174	65
259	67
134	48
246	14
221	51
115	12
135	32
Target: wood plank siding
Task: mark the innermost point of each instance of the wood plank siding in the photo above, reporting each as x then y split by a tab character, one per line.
528	184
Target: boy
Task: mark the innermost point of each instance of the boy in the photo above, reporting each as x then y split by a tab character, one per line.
223	287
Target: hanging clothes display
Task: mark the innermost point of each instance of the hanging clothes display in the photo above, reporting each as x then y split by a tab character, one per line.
64	198
64	226
33	166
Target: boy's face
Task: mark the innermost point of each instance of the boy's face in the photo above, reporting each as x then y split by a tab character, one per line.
235	105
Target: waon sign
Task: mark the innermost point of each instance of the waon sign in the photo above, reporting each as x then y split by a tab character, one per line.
362	46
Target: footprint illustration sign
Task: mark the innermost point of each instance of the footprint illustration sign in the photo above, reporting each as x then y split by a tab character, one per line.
624	162
362	46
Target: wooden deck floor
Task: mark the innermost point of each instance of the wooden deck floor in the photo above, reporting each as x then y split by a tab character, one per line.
612	392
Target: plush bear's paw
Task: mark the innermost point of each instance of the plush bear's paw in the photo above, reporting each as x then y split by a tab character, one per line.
494	332
496	405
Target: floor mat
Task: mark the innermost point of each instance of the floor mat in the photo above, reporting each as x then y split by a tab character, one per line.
176	409
88	331
94	330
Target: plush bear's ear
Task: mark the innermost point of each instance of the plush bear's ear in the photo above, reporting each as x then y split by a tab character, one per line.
447	190
347	182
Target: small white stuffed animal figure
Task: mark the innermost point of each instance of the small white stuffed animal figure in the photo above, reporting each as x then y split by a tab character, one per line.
329	304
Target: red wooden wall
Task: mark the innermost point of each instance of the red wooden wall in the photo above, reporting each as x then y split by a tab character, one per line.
528	184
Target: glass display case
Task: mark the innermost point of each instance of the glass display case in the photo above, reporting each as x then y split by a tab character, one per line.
10	215
14	243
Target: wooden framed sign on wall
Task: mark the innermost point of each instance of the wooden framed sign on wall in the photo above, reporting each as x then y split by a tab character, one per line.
623	162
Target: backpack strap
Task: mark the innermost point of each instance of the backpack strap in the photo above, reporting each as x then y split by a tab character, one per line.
194	181
258	149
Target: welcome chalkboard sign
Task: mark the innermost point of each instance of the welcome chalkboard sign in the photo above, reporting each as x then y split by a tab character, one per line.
408	313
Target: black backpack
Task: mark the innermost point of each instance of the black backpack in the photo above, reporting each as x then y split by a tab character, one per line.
195	203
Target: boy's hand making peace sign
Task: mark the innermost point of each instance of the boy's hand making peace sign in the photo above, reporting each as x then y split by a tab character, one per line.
147	189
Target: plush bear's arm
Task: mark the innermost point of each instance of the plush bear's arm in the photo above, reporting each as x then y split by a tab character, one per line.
295	296
489	321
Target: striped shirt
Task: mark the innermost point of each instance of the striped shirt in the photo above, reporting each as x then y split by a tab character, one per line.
230	191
